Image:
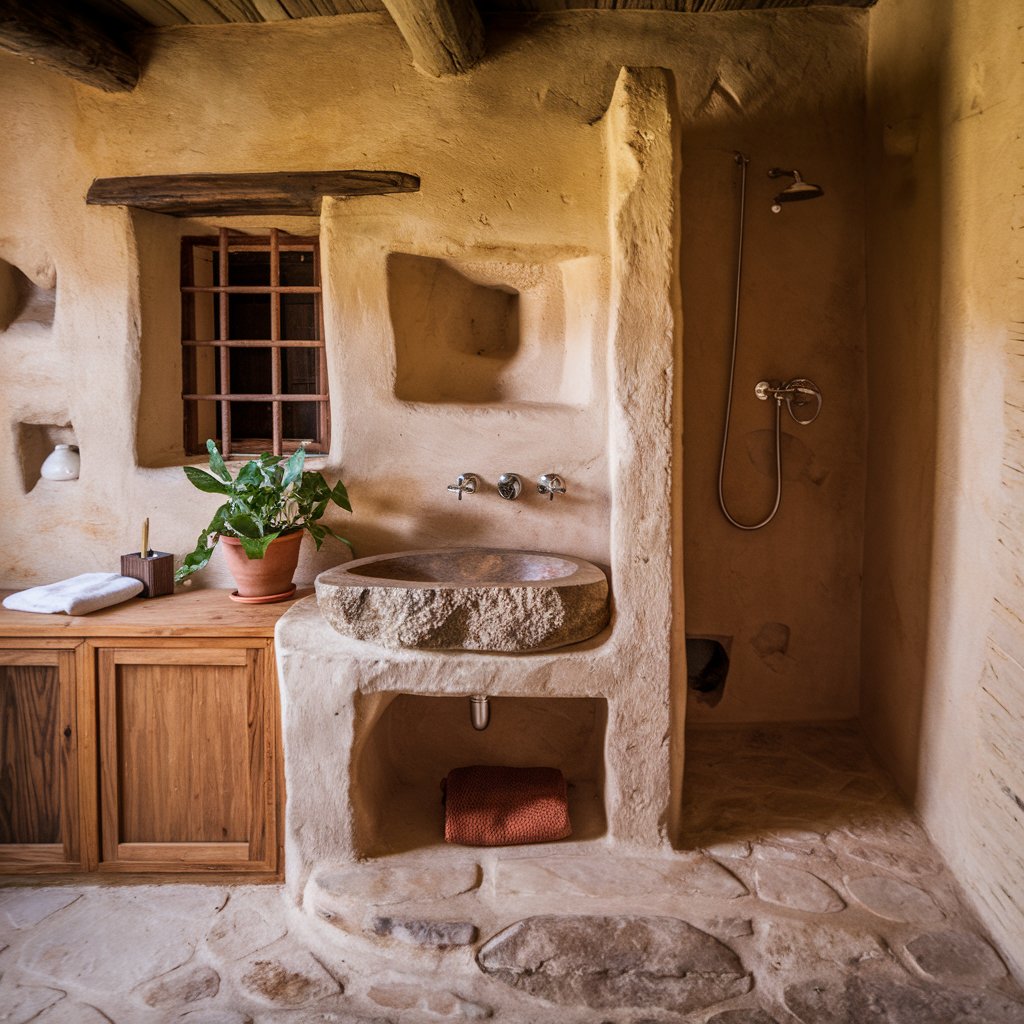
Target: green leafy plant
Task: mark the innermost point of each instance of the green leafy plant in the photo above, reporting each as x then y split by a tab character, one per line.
271	495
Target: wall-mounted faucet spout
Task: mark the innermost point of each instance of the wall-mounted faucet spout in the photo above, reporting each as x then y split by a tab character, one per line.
509	486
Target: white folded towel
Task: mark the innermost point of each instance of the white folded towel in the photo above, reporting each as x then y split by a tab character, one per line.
76	596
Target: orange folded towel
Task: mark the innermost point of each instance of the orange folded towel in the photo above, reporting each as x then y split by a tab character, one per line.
495	806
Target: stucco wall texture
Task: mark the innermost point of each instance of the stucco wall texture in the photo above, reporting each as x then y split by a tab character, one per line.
512	164
336	692
942	654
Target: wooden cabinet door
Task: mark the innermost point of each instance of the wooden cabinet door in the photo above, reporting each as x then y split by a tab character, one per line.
187	756
46	802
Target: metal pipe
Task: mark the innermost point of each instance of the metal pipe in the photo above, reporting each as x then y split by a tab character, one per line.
480	711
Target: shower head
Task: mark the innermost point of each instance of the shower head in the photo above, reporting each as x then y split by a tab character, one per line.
795	192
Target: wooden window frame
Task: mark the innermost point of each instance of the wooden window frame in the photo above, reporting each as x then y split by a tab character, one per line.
224	243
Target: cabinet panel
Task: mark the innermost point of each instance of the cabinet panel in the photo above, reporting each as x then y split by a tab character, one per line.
41	789
30	754
187	758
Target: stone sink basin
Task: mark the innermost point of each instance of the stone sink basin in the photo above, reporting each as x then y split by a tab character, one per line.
466	599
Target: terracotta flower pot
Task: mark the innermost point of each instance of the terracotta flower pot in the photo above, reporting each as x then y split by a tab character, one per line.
267	576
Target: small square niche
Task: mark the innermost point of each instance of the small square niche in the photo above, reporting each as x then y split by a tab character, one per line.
490	332
22	301
35	442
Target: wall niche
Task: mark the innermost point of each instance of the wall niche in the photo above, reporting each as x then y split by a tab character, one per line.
35	442
407	743
492	332
23	301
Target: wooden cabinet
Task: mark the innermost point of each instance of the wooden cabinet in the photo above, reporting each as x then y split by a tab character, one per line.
187	758
47	802
141	739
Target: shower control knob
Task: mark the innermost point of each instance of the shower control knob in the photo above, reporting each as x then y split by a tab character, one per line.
765	389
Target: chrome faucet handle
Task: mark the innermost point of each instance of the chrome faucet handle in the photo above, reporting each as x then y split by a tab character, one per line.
467	482
509	486
550	484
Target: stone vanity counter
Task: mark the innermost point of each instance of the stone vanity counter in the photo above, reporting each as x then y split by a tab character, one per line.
369	732
584	669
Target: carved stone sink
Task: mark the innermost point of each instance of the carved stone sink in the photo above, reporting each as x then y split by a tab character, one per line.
466	599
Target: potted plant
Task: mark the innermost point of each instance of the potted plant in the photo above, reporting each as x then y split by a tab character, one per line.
269	504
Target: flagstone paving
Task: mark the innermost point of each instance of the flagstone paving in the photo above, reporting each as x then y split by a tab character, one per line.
805	894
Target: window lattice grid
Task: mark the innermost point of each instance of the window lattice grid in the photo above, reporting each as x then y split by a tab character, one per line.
254	363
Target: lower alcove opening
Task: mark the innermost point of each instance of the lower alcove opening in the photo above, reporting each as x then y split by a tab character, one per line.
407	743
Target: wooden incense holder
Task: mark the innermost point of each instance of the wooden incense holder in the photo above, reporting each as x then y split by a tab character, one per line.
155	570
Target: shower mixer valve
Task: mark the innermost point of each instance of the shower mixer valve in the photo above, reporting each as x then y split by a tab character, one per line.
796	393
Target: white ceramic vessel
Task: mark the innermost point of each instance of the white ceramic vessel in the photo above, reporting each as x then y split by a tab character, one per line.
62	463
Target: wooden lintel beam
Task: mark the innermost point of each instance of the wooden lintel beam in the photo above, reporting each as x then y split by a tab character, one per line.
446	37
233	195
713	6
65	40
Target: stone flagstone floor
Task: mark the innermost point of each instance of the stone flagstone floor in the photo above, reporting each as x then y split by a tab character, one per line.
806	894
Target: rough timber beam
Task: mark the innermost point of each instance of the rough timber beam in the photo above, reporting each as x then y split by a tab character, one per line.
67	41
231	195
446	37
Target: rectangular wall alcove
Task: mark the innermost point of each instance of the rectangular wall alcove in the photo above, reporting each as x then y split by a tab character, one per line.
35	442
406	744
474	331
24	301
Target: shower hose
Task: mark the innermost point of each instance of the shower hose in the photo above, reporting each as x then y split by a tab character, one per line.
742	160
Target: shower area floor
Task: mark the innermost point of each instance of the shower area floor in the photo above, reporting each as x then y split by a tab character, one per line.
806	893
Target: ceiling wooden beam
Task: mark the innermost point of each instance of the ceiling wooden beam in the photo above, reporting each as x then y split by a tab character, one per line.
670	6
236	195
446	37
65	40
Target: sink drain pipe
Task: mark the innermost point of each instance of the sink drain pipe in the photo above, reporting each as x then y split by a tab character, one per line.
480	711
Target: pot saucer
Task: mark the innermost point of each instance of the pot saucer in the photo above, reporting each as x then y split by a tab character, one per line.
264	599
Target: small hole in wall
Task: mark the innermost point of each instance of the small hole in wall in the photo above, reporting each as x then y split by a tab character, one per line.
23	301
707	666
35	442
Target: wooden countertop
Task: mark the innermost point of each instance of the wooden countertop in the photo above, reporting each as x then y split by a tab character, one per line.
201	613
